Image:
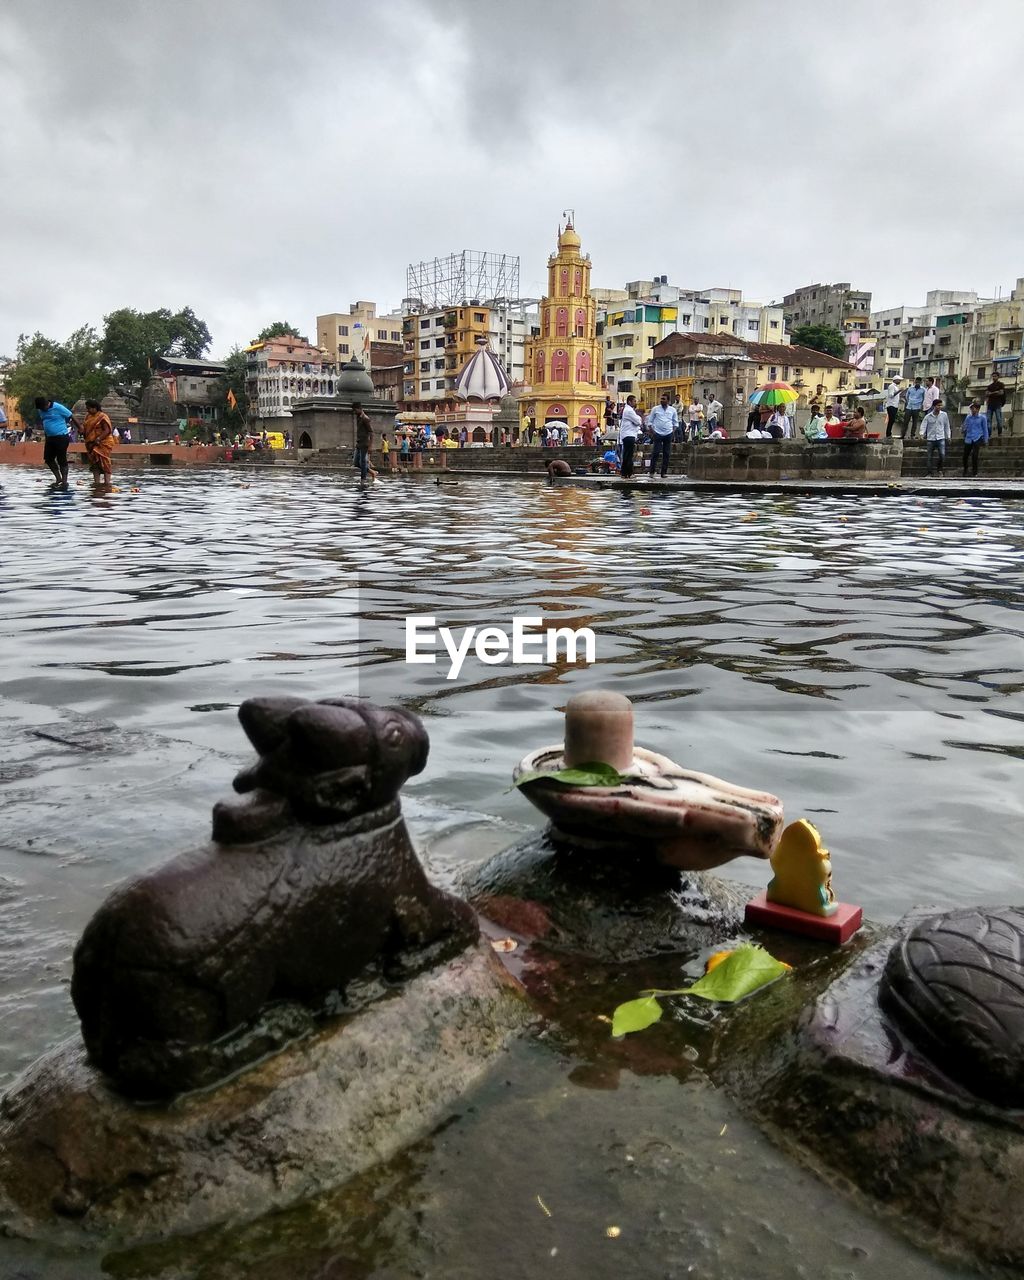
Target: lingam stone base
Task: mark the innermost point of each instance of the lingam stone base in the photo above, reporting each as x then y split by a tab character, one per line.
78	1159
680	818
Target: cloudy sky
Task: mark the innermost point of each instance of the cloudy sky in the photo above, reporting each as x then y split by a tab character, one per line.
257	159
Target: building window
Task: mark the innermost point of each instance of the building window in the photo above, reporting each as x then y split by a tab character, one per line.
439	384
981	371
424	386
382	335
439	342
342	330
773	324
685	319
425	324
342	348
395	336
751	326
651	341
560	366
425	346
479	317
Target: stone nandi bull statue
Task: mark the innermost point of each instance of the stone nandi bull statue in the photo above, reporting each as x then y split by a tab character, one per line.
309	886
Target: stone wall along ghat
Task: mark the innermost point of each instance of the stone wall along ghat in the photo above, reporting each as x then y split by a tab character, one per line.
795	460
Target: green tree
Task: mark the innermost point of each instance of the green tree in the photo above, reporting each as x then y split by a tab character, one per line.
279	329
231	419
132	340
820	337
67	371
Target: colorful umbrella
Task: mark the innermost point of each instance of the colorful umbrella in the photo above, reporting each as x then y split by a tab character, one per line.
773	393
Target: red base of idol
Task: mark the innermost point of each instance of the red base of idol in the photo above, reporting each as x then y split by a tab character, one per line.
836	928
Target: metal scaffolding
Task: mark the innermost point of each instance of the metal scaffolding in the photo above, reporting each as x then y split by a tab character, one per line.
466	276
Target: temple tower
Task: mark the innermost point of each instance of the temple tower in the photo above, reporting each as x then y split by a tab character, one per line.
564	362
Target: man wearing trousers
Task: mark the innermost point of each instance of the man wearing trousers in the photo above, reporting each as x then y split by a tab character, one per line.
662	422
630	426
936	434
976	433
914	410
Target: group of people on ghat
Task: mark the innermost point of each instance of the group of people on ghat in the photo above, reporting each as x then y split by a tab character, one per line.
917	399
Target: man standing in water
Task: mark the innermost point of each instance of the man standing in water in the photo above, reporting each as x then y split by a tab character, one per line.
56	420
364	441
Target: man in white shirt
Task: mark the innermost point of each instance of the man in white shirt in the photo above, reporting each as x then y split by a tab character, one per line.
932	392
630	426
892	404
714	413
936	433
778	424
662	422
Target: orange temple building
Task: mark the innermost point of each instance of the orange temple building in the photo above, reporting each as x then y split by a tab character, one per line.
564	362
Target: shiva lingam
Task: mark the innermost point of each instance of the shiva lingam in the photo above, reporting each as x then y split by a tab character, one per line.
621	872
693	820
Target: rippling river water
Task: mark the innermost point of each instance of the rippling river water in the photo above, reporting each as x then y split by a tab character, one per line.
861	658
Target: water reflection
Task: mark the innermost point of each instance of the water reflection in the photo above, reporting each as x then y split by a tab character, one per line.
861	659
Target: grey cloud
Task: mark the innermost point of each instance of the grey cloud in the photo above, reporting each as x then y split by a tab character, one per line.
201	154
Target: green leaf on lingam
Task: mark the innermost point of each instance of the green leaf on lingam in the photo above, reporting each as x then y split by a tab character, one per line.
635	1015
593	774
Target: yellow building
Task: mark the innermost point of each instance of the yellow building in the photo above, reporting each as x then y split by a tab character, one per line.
564	361
628	334
347	334
817	376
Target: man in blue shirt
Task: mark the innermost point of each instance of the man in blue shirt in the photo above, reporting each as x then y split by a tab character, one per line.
662	422
914	410
975	435
56	420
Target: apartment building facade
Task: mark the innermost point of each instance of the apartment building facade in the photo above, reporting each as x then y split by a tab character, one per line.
354	333
437	343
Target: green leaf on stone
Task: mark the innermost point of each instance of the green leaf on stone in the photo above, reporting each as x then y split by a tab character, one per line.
746	970
593	774
635	1015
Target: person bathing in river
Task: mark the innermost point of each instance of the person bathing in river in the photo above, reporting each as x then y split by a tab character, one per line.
56	420
98	434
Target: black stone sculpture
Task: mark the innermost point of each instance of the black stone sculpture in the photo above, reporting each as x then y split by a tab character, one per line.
955	985
308	895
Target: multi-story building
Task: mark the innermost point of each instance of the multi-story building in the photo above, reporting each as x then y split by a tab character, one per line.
438	342
731	369
716	310
631	322
627	335
904	336
357	332
838	305
564	358
282	370
994	346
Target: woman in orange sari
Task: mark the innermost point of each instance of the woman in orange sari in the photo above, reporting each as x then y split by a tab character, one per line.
98	434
